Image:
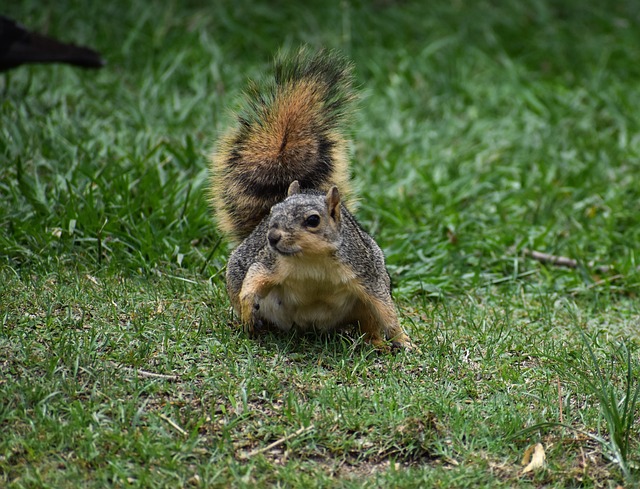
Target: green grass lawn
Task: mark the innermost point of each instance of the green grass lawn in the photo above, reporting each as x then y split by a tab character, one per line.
485	130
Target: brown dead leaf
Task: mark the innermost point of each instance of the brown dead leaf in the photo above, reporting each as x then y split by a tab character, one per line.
533	458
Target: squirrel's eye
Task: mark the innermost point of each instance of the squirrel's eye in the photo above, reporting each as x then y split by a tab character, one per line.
312	221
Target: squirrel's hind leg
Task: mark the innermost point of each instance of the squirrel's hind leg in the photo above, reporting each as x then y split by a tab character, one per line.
379	322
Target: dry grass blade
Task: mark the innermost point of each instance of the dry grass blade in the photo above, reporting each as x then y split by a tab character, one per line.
277	443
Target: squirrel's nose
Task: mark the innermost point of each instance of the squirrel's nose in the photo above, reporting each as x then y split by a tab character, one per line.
274	237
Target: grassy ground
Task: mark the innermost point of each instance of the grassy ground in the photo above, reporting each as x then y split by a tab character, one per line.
486	129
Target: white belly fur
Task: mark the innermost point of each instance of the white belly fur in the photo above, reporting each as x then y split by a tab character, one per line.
314	295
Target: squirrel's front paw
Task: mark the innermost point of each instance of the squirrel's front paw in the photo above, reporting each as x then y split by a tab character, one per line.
249	316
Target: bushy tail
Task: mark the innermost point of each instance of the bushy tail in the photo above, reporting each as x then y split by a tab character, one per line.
290	129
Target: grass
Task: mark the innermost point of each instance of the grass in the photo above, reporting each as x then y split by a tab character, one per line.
483	130
618	408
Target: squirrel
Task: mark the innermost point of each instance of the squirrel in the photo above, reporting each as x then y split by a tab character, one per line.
280	187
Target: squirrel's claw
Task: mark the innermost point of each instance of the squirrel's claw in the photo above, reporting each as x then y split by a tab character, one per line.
404	344
402	341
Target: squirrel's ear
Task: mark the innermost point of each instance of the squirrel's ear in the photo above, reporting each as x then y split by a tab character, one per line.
294	188
333	203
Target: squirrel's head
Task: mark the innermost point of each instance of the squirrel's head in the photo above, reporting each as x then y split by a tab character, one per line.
305	223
